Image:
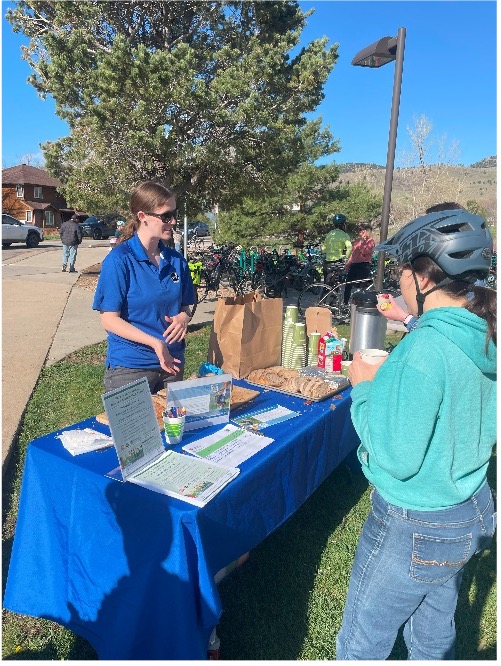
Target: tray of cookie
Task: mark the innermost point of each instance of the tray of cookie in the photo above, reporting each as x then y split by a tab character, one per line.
291	382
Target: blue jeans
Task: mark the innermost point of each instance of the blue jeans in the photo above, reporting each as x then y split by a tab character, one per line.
407	571
70	254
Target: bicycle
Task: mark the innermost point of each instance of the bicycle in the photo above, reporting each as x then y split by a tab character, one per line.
219	278
322	295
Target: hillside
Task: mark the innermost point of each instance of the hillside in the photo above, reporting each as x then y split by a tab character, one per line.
485	163
415	189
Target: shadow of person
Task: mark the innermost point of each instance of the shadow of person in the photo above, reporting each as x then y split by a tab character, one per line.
154	609
266	601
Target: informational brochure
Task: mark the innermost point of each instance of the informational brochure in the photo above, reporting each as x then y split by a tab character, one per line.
141	454
265	417
133	425
190	479
229	446
206	400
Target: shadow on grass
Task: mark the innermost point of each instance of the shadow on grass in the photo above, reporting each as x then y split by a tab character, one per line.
265	602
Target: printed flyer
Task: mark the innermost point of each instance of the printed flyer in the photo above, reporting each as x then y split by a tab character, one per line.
206	400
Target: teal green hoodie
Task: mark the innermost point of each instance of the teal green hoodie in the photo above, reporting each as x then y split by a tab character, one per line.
427	422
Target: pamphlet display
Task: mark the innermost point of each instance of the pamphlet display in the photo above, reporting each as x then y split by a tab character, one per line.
141	454
206	400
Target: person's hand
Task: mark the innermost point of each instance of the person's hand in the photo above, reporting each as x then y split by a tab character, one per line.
178	326
394	312
359	371
167	361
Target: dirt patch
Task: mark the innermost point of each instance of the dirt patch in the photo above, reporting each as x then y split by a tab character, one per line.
88	277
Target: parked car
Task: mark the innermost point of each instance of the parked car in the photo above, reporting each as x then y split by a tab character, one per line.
15	231
99	227
199	229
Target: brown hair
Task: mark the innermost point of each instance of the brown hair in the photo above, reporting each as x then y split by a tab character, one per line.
145	196
482	301
363	226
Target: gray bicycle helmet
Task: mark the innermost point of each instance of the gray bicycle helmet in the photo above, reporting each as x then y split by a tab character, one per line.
459	242
456	240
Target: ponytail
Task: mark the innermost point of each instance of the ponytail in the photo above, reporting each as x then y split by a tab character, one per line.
131	226
484	305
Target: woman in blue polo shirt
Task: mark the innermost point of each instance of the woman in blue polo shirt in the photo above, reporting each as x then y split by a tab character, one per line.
144	294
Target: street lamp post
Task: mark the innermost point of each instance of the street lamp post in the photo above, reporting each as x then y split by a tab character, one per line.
380	53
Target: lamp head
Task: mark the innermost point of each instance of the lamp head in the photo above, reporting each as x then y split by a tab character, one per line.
378	54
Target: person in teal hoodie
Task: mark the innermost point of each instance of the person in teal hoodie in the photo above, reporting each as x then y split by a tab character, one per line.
426	418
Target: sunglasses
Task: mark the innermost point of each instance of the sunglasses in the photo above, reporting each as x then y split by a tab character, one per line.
167	216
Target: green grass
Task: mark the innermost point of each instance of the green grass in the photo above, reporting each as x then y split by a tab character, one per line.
286	601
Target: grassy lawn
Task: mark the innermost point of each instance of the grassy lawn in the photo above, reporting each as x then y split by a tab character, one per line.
286	601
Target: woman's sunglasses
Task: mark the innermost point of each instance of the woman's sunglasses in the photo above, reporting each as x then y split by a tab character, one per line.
167	216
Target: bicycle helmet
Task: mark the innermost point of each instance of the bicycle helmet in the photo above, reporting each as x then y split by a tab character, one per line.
339	220
456	240
459	242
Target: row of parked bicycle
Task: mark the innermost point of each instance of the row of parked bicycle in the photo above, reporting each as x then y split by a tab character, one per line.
230	270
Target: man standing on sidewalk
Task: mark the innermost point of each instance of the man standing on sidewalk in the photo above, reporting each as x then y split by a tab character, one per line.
71	237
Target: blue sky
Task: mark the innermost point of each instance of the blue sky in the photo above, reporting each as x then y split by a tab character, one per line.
449	76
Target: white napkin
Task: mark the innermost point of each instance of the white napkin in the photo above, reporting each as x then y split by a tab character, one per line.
83	441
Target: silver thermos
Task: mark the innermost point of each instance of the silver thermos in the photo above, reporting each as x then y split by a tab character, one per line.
367	324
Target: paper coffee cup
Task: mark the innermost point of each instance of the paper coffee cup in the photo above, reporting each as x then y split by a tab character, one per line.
173	428
373	356
291	314
299	336
345	366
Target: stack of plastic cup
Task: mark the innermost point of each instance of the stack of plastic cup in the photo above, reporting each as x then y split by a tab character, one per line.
298	356
290	319
313	339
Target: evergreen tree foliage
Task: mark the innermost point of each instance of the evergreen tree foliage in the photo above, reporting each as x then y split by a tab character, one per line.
209	98
299	210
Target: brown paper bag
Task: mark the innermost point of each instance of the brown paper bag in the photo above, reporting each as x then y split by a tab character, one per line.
318	320
246	334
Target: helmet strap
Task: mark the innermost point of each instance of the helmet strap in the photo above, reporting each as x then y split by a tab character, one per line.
420	295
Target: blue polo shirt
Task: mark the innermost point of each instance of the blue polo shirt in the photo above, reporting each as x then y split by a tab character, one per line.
143	294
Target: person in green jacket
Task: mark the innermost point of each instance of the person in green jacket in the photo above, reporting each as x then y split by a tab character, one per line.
337	246
426	418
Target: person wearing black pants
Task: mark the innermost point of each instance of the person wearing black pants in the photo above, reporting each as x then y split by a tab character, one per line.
358	266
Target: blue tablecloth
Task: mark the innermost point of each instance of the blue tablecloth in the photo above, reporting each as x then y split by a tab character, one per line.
131	570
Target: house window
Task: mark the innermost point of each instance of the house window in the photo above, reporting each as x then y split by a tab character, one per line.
49	218
19	191
28	214
38	192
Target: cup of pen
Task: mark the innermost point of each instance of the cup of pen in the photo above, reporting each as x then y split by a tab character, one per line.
173	426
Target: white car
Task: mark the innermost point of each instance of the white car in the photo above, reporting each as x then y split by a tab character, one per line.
15	231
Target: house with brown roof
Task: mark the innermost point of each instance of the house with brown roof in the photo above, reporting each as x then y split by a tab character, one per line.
30	195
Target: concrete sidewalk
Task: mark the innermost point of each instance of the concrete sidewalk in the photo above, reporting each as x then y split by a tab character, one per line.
46	316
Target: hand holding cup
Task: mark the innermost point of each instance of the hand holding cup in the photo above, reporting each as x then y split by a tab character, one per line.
366	363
